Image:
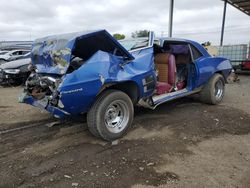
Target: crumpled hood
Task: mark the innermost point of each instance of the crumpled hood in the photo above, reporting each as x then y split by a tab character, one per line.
53	54
15	64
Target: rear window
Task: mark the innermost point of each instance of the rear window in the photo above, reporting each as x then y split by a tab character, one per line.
196	53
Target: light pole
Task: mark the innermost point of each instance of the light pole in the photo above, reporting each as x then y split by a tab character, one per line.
223	22
170	24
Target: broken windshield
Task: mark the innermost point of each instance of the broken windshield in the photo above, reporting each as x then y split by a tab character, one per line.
135	43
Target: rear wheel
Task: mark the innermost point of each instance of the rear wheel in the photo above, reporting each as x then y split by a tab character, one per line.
214	90
111	115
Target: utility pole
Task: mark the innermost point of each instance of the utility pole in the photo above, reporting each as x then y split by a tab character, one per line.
223	22
170	24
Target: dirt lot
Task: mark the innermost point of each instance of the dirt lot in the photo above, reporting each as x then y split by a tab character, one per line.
181	144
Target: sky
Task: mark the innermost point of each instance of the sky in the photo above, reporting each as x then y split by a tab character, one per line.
198	20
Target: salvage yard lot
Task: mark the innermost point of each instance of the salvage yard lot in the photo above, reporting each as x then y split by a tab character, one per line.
181	144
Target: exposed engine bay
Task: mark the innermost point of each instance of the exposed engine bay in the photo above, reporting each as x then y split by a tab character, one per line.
43	87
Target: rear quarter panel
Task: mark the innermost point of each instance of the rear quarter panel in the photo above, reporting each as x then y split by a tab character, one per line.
208	66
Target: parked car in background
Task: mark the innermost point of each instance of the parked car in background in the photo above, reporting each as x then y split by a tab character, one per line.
13	55
14	72
93	73
25	56
2	52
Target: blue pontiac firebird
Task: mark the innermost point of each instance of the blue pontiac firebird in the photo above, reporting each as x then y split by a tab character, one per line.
93	73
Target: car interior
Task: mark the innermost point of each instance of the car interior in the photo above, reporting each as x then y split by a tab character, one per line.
172	62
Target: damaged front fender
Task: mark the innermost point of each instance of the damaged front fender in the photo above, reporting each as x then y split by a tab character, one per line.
79	89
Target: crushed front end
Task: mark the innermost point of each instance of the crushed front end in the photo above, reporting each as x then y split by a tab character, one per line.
68	71
41	91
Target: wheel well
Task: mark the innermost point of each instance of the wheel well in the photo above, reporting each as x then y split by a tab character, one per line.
221	73
129	87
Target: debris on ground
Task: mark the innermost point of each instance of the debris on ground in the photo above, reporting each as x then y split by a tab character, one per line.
75	184
114	143
67	176
141	168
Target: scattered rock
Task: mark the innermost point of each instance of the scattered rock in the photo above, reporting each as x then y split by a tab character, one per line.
150	164
217	121
106	174
141	168
67	176
124	159
53	124
92	173
75	184
114	143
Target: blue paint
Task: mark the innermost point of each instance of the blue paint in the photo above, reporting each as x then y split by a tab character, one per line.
79	89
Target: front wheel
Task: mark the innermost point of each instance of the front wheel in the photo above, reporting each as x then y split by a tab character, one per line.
213	92
111	115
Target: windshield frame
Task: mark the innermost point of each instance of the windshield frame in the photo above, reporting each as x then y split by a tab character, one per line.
150	38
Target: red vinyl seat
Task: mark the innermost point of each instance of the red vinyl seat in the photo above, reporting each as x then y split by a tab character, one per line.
171	70
166	67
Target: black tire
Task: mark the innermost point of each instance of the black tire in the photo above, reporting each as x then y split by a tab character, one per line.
97	116
210	94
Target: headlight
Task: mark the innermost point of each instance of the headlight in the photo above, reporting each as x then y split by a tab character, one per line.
11	71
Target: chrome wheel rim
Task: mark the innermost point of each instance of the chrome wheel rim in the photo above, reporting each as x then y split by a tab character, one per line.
219	90
116	116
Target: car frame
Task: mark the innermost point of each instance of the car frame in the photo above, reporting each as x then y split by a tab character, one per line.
111	80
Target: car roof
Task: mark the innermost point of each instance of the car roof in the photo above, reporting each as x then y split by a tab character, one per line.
19	50
175	39
195	44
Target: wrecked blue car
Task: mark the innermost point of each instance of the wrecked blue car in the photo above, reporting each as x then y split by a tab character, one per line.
93	73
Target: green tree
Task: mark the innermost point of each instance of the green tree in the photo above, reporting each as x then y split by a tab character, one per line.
140	33
208	43
118	36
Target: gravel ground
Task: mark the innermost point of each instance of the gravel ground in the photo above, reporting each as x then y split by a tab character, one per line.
180	144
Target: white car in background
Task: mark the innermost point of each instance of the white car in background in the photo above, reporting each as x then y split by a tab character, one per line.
12	55
2	52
